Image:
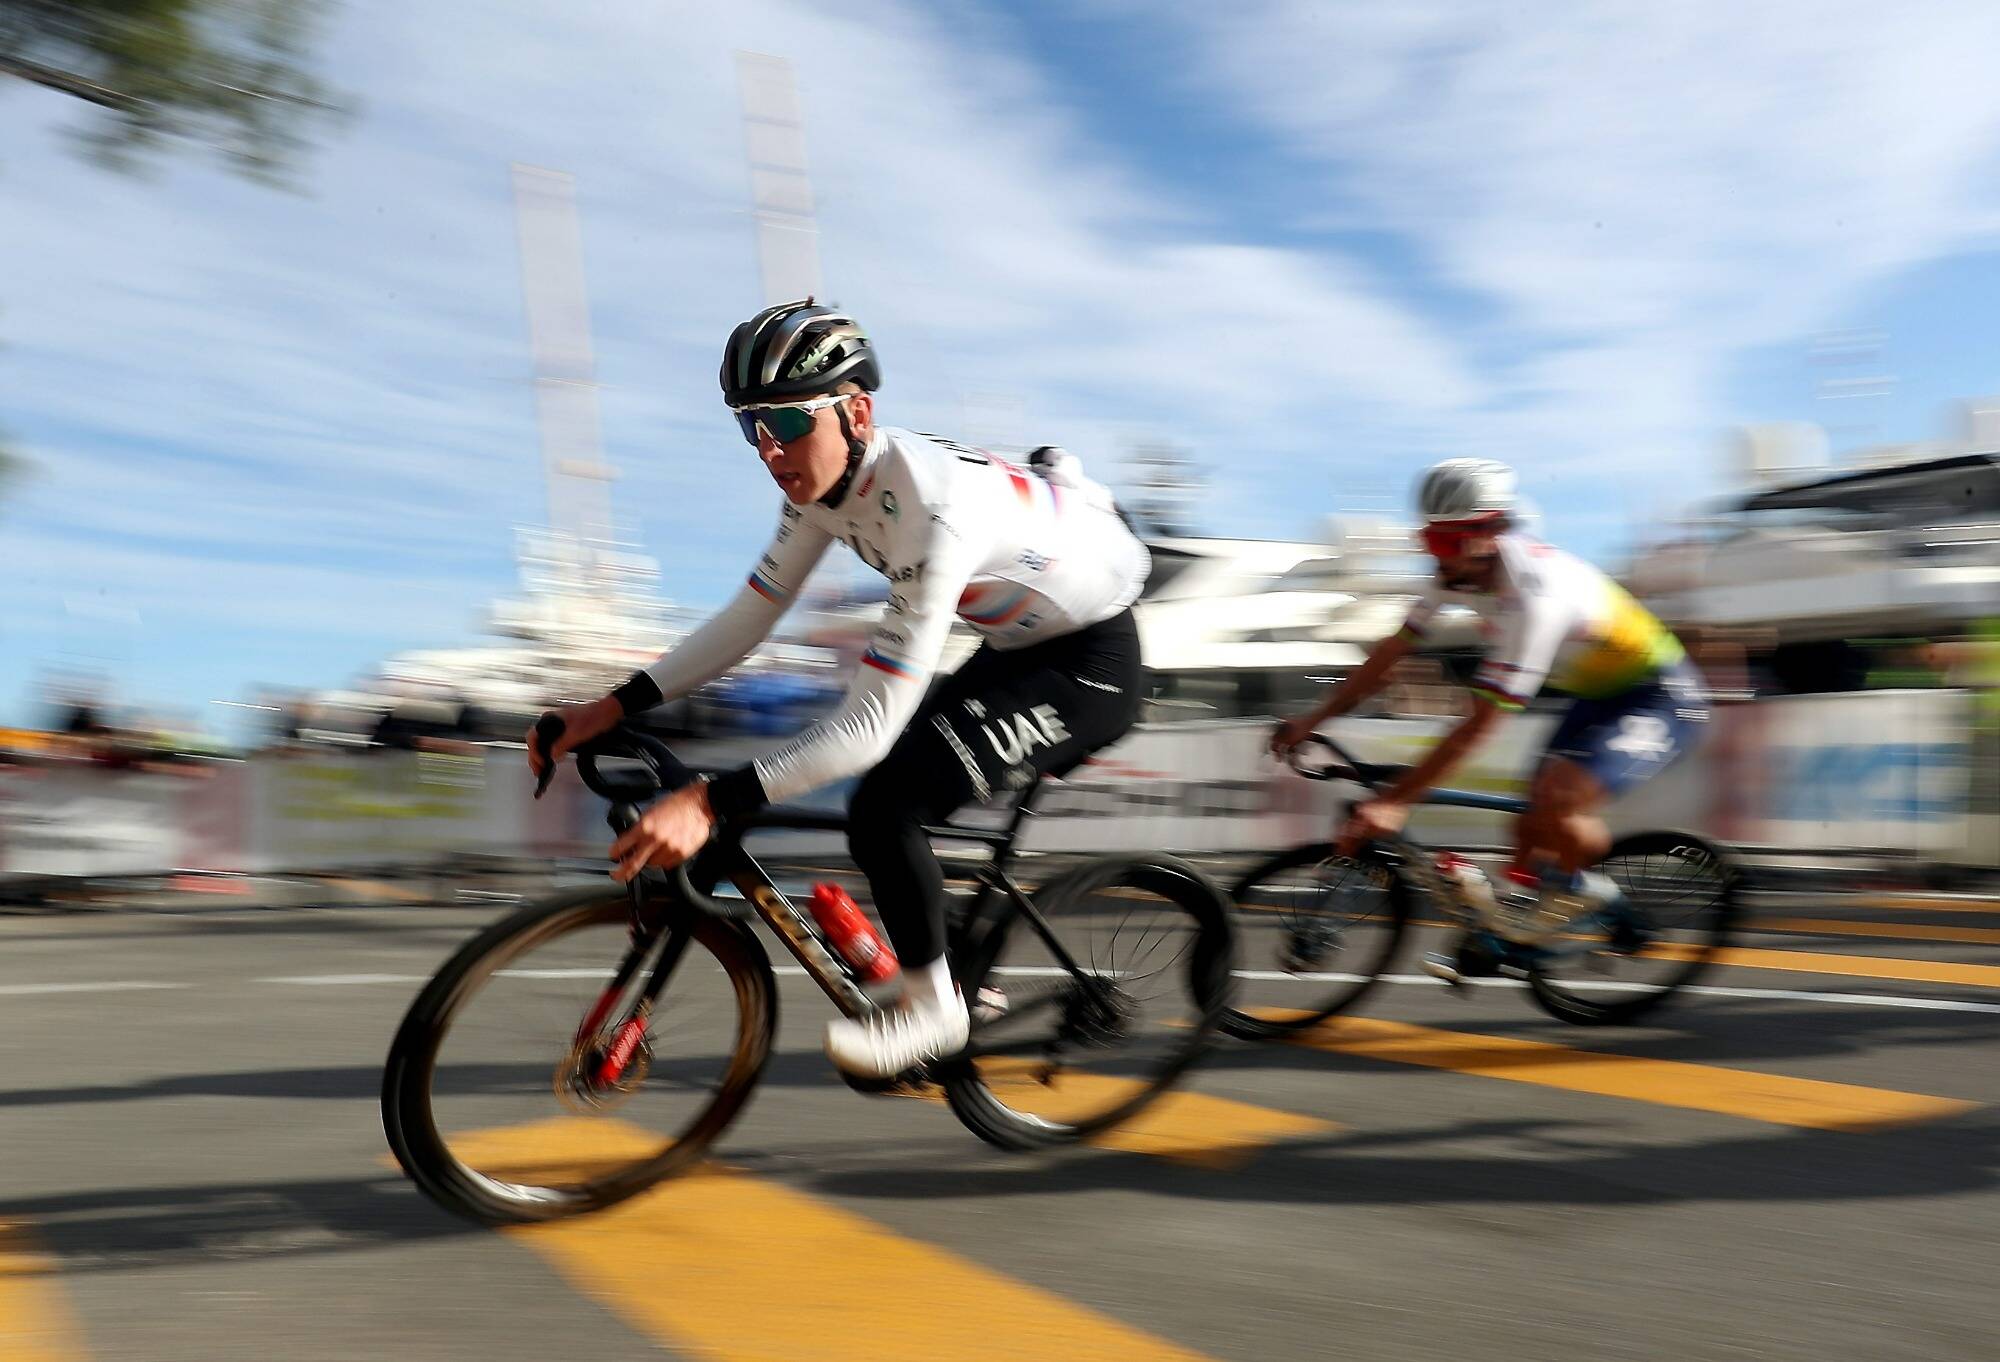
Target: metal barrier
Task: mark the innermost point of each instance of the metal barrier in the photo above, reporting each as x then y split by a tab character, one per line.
1875	773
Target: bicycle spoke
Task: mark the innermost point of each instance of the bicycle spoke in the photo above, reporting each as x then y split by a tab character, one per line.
1074	1051
1315	932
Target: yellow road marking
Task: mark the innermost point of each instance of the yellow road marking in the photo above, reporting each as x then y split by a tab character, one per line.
1856	966
1902	931
727	1266
1915	904
1186	1127
35	1320
1806	1102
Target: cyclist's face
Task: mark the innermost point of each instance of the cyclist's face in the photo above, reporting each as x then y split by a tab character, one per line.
806	469
1473	563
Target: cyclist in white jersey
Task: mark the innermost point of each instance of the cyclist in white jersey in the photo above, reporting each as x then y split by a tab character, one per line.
1550	619
1037	560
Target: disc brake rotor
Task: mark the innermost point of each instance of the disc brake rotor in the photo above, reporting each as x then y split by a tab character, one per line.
579	1079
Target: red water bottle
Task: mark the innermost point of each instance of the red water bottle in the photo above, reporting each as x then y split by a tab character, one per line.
852	935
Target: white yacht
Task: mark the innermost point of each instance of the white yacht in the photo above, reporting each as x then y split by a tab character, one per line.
1906	545
587	616
1240	627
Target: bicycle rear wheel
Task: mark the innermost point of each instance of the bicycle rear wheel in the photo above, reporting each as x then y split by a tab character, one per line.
1616	966
1056	1057
1315	932
531	1079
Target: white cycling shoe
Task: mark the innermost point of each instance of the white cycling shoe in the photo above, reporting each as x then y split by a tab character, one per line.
886	1043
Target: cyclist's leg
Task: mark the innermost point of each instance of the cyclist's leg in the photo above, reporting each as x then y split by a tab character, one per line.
1601	749
1558	834
1001	720
1561	825
906	790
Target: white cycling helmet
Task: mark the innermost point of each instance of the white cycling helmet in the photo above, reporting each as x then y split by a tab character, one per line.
1466	489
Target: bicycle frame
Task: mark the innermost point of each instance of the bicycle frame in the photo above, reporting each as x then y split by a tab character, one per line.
1414	855
801	935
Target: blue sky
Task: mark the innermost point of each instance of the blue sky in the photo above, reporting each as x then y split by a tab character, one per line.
276	437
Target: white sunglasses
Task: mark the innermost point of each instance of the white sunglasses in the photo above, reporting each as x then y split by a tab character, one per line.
783	421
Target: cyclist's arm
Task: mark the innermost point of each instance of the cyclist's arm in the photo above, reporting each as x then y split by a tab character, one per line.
1509	677
727	638
1364	680
924	587
1442	759
1373	673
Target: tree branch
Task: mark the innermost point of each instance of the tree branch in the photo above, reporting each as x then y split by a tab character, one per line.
69	83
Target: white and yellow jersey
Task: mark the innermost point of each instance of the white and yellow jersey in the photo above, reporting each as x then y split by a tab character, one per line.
1553	619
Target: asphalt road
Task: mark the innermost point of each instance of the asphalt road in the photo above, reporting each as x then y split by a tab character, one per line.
1799	1163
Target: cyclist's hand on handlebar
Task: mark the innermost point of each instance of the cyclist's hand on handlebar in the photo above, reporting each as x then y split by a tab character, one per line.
1370	821
580	723
1289	734
666	834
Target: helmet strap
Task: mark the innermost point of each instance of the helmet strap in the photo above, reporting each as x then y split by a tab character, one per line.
856	451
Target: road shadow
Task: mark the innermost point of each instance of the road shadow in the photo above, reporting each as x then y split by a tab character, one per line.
338	1083
1519	1162
1705	1031
124	1228
363	1082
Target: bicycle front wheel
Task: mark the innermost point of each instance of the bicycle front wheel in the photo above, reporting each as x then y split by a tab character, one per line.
1058	1055
1315	932
1619	964
563	1060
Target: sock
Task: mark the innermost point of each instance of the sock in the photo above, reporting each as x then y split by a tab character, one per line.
931	986
1599	886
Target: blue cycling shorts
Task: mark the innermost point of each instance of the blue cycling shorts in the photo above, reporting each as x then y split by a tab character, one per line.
1626	740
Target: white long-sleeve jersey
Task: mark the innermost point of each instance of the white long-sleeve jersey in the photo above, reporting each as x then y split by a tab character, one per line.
1019	555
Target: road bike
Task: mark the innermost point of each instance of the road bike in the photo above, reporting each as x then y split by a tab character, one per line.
1315	924
589	1045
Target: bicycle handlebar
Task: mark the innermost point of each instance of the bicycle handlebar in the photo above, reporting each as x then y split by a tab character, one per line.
664	773
1344	766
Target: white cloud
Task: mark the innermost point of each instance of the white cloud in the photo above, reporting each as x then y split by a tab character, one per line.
1630	194
279	391
260	386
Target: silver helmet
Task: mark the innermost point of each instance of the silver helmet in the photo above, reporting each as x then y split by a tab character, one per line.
793	351
1463	489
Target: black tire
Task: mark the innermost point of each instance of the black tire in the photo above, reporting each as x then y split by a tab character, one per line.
1087	1078
618	1165
1686	893
1295	892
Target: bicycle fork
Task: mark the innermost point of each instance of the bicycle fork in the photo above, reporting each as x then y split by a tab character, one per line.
664	952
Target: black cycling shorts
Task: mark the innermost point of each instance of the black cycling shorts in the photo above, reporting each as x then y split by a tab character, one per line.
990	727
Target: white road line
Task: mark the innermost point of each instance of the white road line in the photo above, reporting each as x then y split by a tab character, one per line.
114	986
1856	999
1623	986
336	980
1278	976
